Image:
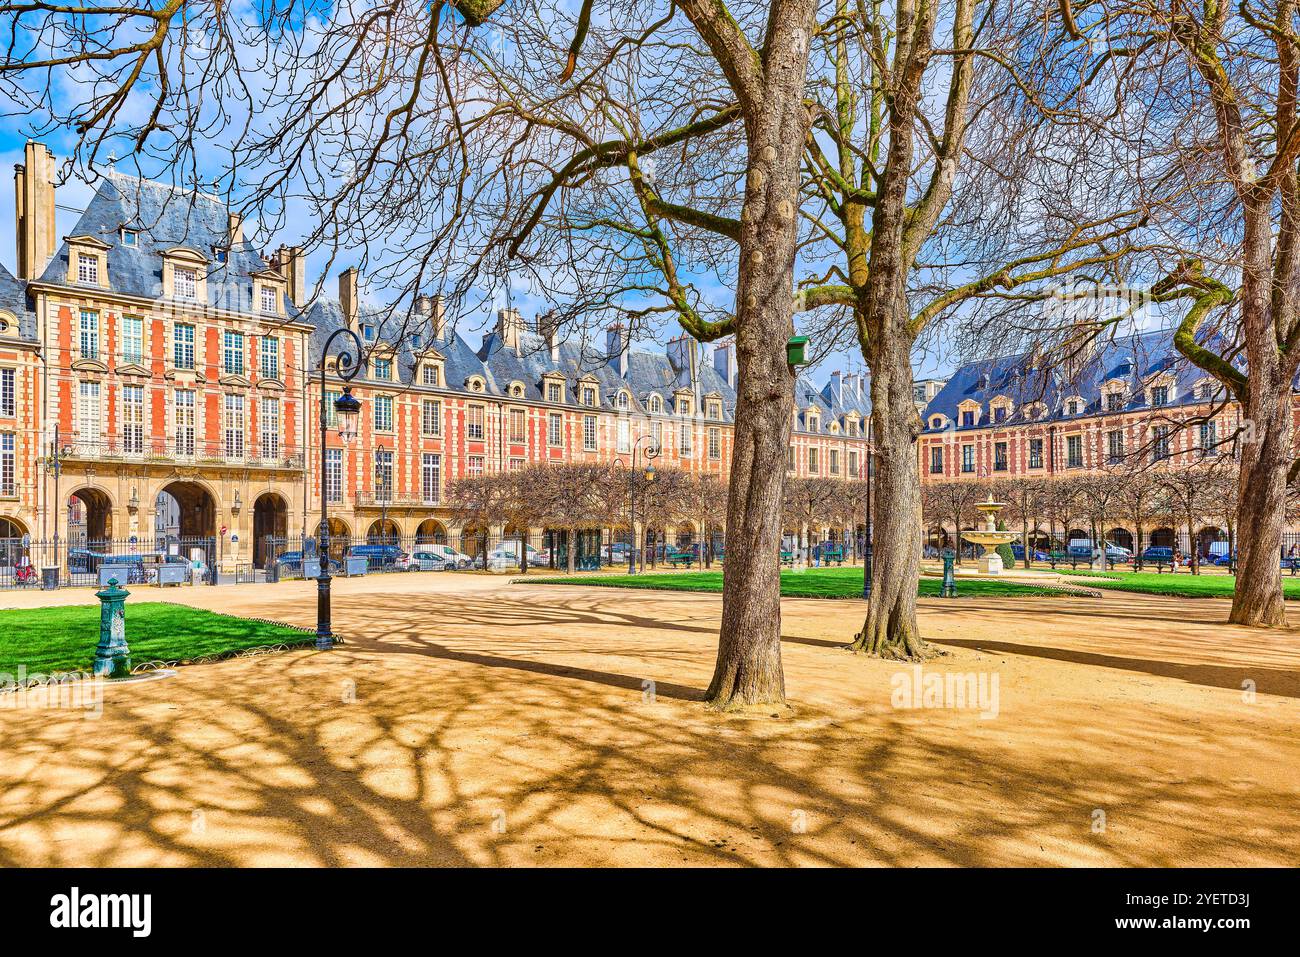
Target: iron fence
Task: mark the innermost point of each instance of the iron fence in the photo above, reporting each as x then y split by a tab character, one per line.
162	560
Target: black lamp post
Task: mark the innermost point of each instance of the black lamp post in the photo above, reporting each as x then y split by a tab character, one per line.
347	410
650	453
383	477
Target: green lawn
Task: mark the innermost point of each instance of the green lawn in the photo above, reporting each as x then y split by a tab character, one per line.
813	583
55	640
1181	585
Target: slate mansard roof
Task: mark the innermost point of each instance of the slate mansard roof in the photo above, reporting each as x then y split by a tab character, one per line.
580	363
163	218
13	299
1132	360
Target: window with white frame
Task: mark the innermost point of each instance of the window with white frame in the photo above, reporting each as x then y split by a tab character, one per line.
132	339
554	392
133	419
235	426
853	463
334	475
431	478
183	345
89	338
429	374
833	460
589	433
185	282
555	429
7	486
715	444
383	369
813	463
270	299
589	396
518	425
517	464
656	404
431	417
232	352
383	413
89	414
622	400
383	475
1208	438
684	446
625	435
269	357
88	268
269	428
183	400
7	377
474	422
474	465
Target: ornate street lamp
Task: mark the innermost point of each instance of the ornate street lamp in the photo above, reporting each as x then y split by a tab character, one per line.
651	453
347	410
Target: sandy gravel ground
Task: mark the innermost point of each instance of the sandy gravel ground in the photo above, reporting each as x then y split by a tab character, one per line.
474	721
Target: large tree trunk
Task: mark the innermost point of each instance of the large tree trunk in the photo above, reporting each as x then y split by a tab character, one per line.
748	671
1261	511
890	630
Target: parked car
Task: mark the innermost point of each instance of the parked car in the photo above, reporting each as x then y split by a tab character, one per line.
427	560
381	556
1158	554
1018	550
449	555
506	555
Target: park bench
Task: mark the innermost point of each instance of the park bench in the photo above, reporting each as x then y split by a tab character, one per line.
787	557
835	555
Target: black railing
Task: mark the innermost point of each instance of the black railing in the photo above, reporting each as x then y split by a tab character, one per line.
150	451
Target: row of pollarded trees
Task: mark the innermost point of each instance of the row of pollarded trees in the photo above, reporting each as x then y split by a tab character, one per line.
1176	496
575	497
811	503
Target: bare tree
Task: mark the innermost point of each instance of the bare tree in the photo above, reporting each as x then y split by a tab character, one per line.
1098	495
951	502
1026	496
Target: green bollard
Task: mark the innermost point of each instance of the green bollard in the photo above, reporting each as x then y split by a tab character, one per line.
112	657
949	587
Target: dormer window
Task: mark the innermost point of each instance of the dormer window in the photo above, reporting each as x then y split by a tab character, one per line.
622	400
185	282
684	406
368	332
130	238
1159	395
429	374
269	299
221	255
88	268
968	417
1115	401
517	391
554	392
936	422
383	369
656	404
715	410
589	396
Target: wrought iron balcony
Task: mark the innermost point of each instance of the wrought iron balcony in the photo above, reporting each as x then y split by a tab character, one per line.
395	500
152	451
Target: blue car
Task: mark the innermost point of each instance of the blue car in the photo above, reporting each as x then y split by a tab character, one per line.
1037	555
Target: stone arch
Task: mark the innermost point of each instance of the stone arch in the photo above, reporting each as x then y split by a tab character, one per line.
383	531
90	516
12	531
1163	537
270	520
1121	537
431	531
185	508
1207	536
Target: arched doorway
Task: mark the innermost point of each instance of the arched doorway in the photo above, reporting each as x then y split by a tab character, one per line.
340	536
1121	537
1077	534
270	520
185	510
1207	537
1162	538
431	532
383	532
90	518
11	541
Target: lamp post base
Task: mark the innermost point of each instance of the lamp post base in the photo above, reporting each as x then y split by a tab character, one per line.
324	631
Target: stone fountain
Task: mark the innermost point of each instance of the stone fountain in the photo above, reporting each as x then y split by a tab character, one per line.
990	537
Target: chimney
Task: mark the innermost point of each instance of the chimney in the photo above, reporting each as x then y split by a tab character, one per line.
235	224
433	311
616	346
290	263
724	362
548	327
34	209
348	294
683	354
509	326
837	387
